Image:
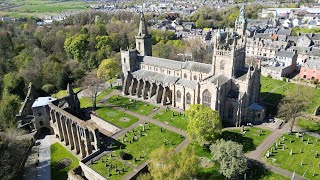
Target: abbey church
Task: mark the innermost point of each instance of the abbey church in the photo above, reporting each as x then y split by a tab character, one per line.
227	85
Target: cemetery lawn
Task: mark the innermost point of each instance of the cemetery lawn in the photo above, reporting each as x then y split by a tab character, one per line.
132	105
269	84
283	159
250	139
100	167
58	152
178	121
150	140
309	124
116	117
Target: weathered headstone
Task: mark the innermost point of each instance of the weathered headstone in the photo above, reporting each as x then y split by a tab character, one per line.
291	152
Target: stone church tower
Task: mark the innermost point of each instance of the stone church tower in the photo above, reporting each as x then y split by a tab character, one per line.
241	22
143	39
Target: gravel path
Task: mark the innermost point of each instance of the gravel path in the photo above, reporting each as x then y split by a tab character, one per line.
44	168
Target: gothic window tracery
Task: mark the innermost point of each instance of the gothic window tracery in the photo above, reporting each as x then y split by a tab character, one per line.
188	101
206	98
178	96
222	64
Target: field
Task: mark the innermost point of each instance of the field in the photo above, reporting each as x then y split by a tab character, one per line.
132	105
304	159
58	152
280	88
172	118
63	93
116	117
43	7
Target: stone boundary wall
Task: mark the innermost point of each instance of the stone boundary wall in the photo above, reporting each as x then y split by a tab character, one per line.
104	124
90	173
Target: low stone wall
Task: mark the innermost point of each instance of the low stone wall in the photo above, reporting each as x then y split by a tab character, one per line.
104	124
89	173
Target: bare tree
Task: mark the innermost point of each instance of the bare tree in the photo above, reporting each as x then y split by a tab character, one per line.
93	85
295	101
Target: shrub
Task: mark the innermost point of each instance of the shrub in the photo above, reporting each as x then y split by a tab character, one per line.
48	88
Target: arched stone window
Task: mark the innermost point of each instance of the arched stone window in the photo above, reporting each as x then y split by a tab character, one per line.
206	98
188	101
139	45
222	64
178	96
230	112
195	77
185	75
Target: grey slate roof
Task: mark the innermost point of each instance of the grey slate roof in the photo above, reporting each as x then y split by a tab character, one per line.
288	54
175	65
198	67
312	64
154	76
284	31
221	79
160	62
187	83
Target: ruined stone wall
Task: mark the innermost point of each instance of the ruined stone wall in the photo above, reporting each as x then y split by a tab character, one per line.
104	124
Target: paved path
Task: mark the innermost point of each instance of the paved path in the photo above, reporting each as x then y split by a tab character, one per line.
44	169
256	154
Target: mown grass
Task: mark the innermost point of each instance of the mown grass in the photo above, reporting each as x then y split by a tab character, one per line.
303	159
309	124
58	152
132	105
172	118
114	116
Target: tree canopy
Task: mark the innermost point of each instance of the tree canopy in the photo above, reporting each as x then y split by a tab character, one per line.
230	156
204	124
164	164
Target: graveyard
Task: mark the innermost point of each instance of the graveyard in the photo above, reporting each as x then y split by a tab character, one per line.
296	153
172	118
116	117
61	161
131	105
250	138
133	148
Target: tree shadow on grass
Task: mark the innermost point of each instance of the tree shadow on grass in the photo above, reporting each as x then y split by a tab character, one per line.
271	101
257	170
247	143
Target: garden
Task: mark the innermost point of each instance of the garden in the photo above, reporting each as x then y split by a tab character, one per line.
132	105
61	161
296	153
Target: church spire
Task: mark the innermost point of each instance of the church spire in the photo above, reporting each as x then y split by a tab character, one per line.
143	30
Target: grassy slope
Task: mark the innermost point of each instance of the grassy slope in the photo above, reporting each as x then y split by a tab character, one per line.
58	152
179	121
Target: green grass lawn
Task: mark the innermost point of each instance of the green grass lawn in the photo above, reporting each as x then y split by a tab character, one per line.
63	93
100	167
250	140
268	84
58	152
309	124
132	105
151	139
114	116
172	118
282	158
87	102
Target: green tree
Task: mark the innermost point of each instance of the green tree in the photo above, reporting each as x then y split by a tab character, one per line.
109	69
230	156
13	84
164	164
76	46
204	124
294	102
10	105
